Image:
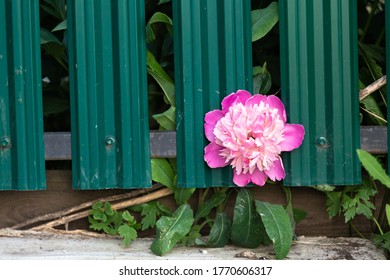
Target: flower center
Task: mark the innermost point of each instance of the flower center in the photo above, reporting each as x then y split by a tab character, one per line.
250	136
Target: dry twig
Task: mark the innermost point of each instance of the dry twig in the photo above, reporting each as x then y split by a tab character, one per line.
372	88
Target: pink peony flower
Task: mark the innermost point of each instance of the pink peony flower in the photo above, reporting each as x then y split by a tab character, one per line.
249	133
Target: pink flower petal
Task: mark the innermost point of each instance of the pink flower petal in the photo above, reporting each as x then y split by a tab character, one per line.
212	157
259	177
276	172
211	120
240	96
242	179
255	99
293	137
275	102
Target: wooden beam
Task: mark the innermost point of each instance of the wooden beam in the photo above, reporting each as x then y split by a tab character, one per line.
163	143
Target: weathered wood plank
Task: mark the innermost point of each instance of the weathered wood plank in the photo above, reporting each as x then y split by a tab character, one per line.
163	143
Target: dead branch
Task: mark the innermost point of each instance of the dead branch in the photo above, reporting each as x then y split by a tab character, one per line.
62	213
372	88
120	205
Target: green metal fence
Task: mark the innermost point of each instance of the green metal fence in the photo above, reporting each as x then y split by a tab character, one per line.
111	144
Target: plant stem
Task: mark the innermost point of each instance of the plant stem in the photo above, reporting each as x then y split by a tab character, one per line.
357	231
378	226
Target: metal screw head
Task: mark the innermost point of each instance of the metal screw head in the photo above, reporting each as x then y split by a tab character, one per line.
5	142
110	141
321	141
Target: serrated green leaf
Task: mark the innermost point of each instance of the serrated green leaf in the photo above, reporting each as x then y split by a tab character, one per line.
333	203
246	230
263	20
128	234
108	209
382	240
362	209
277	225
373	167
127	216
162	172
149	212
171	230
100	216
97	205
205	208
220	231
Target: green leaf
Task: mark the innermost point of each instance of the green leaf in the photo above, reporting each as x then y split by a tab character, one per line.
167	119
161	77
263	20
382	240
47	37
54	105
127	216
182	195
373	167
333	203
388	213
205	208
56	8
108	209
262	81
220	231
299	215
246	226
277	225
171	230
157	17
63	25
162	172
128	234
324	188
150	212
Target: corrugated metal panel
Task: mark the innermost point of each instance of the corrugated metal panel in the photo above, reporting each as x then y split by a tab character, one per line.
387	11
22	165
319	75
110	134
213	57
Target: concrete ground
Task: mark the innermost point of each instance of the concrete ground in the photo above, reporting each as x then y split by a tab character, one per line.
28	245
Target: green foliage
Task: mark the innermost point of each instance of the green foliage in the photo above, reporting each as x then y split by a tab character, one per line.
246	231
103	218
205	207
150	212
263	20
262	81
171	230
163	173
220	231
373	167
277	225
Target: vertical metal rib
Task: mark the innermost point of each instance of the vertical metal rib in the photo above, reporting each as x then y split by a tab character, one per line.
22	165
319	75
110	134
213	58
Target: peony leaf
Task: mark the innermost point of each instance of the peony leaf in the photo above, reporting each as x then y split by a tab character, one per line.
373	167
171	230
277	225
220	231
246	227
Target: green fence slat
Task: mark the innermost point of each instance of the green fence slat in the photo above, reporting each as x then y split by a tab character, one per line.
22	165
387	22
110	134
319	73
213	57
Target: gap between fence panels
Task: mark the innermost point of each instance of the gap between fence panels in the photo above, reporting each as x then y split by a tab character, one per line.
163	143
